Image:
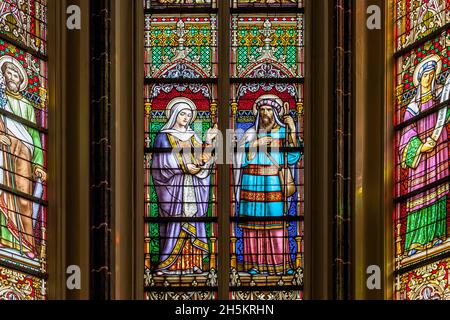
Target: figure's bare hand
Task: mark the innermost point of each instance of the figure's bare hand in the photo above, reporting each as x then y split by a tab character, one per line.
5	140
206	157
40	173
266	141
193	169
289	122
212	134
428	147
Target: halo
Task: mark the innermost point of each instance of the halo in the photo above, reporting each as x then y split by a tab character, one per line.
178	100
272	97
16	63
434	58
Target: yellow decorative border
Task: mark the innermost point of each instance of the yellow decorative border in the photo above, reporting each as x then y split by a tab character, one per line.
435	194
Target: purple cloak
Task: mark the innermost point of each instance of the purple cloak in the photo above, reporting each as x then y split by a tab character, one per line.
169	178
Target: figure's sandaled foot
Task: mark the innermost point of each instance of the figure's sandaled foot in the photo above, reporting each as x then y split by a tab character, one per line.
438	243
290	272
253	271
159	273
197	270
30	255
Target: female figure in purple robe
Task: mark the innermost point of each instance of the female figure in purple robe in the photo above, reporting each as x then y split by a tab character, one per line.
182	181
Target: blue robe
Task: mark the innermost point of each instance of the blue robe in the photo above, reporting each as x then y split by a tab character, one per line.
260	190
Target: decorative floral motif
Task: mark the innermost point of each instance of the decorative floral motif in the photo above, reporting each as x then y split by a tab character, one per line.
212	278
18	286
195	295
430	282
18	21
266	295
271	41
417	19
148	278
181	87
234	278
181	41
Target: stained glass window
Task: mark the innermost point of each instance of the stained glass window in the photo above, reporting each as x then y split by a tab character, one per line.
181	113
180	173
23	143
421	216
267	116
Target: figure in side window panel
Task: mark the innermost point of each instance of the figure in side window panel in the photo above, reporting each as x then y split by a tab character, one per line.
424	153
21	162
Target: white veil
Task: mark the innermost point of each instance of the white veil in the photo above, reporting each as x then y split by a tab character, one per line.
172	111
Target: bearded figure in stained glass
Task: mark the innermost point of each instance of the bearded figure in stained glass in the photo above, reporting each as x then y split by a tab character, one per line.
182	178
21	162
424	154
265	180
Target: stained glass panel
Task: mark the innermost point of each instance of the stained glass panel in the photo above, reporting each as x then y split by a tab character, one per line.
158	97
181	206
422	151
267	191
19	286
416	19
267	172
193	237
195	263
23	164
422	223
24	21
430	282
408	71
180	173
267	235
267	3
189	41
267	46
421	164
422	156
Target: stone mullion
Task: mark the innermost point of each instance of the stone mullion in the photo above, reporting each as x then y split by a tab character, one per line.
342	146
101	114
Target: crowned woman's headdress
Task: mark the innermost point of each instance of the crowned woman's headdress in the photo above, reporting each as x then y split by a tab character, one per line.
431	63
